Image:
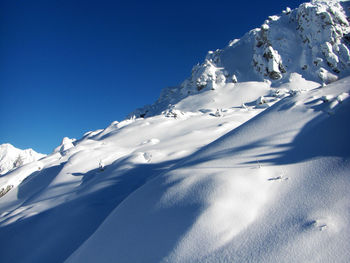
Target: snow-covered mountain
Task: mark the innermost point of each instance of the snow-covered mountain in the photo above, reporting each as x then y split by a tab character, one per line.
312	40
11	157
247	161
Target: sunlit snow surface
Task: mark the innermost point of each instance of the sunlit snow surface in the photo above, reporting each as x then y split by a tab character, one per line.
194	188
11	157
218	171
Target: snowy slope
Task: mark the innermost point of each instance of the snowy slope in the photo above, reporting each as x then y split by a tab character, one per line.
217	170
11	157
68	194
149	185
273	190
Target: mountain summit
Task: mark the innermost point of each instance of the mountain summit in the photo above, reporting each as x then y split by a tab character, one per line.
247	160
312	40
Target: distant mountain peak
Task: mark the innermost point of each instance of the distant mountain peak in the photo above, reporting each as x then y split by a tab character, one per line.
12	157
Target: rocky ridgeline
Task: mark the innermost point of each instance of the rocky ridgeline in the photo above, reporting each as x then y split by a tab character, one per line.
312	40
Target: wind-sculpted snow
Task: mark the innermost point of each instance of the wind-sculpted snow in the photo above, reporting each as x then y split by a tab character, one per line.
272	190
57	202
274	184
244	162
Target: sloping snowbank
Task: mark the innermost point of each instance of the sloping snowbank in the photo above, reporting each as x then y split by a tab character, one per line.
247	161
275	189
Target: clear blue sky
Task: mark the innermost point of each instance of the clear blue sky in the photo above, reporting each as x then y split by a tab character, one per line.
67	67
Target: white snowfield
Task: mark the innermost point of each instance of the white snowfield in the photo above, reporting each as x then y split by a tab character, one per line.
240	171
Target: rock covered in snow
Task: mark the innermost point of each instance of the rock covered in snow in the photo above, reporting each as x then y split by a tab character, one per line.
266	59
11	157
319	29
324	28
66	144
172	113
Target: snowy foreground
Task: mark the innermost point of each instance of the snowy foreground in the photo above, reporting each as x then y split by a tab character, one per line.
275	189
251	171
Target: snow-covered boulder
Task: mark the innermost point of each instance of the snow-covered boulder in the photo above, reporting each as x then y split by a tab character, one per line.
324	28
66	144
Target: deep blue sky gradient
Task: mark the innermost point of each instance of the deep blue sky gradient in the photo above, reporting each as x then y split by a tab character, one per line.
67	67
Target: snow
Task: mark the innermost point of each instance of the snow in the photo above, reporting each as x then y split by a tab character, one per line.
232	166
67	144
9	155
311	40
274	187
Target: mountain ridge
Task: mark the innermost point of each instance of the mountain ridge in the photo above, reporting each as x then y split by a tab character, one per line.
311	40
